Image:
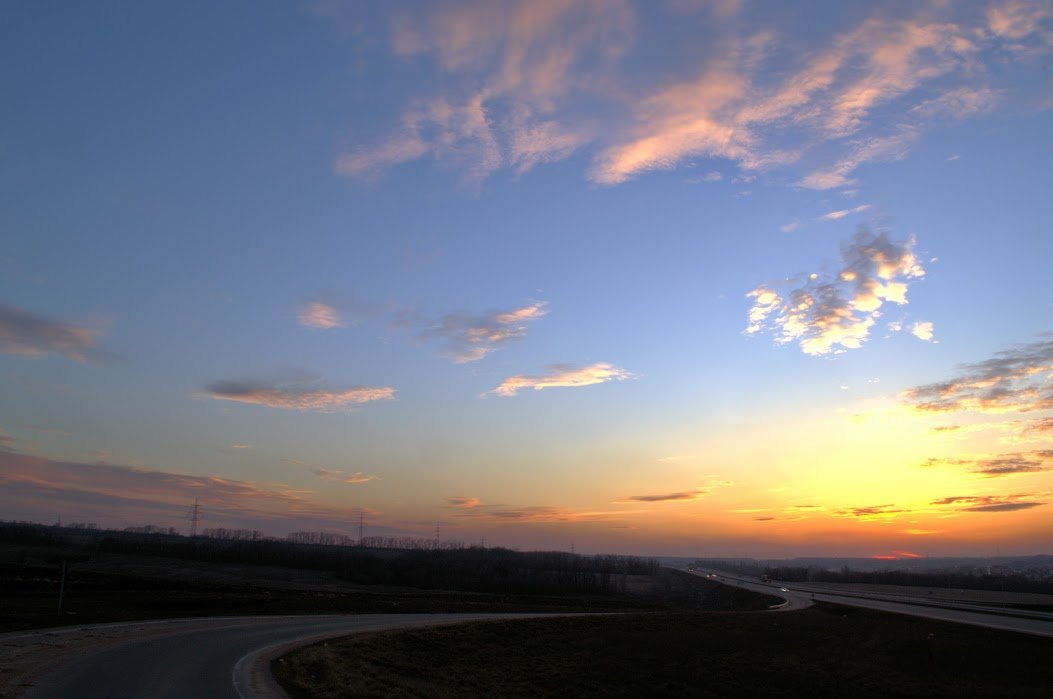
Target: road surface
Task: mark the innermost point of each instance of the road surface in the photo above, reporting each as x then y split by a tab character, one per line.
221	658
800	596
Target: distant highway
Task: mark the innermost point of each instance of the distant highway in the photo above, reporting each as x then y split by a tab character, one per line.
216	658
798	596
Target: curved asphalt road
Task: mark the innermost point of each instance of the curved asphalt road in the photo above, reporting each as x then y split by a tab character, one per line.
226	657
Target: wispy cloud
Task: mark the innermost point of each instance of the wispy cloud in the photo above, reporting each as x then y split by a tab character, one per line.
842	213
562	375
886	148
790	227
831	314
316	314
301	395
1037	429
990	503
517	63
1002	465
1025	27
871	512
1013	380
531	83
355	478
97	491
668	497
26	334
462	502
467	338
682	496
542	513
339	475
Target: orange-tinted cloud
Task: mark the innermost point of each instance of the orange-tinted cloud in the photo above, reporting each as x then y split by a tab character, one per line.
296	396
28	335
518	62
119	495
464	503
319	315
1013	380
468	338
990	503
562	375
1003	464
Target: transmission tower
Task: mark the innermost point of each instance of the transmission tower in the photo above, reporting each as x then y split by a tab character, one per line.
361	523
194	516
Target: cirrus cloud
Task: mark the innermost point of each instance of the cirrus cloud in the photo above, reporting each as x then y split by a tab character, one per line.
468	338
1013	380
26	334
316	314
562	375
301	396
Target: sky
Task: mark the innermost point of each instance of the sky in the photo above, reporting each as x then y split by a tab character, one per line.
674	277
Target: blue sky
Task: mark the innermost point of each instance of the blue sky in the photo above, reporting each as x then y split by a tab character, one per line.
672	277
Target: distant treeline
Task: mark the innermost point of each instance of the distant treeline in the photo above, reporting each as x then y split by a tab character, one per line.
998	578
409	562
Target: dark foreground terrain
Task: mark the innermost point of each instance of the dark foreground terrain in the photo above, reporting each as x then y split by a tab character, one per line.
826	650
107	586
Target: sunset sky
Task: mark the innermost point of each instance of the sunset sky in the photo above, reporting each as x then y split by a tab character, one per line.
687	277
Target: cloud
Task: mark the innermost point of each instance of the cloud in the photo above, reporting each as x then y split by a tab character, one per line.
870	149
1038	429
681	496
544	513
527	83
923	331
356	478
1003	464
790	227
837	215
871	512
683	121
468	338
296	396
119	495
316	314
512	66
464	503
989	503
1024	27
960	103
668	497
1013	380
562	375
28	335
835	313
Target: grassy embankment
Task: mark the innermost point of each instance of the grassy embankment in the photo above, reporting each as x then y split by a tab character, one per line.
827	650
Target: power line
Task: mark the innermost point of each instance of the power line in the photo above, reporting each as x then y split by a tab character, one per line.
194	516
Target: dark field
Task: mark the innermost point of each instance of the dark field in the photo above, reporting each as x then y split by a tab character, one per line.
107	587
823	651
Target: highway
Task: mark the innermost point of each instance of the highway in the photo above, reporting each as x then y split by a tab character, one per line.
799	596
217	658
